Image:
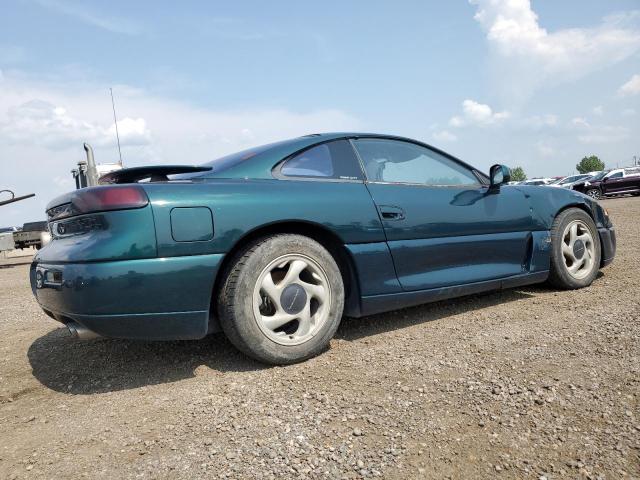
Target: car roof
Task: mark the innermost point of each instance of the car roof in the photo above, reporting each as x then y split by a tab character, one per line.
261	164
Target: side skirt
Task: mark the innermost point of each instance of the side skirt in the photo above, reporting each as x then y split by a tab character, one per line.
383	303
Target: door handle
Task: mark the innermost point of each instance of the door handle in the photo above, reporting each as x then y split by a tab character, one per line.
390	212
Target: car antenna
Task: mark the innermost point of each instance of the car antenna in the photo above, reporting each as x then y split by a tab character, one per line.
115	121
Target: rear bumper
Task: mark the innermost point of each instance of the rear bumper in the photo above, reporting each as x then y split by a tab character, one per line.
608	242
149	299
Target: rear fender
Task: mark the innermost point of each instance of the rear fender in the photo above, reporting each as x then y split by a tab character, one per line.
118	235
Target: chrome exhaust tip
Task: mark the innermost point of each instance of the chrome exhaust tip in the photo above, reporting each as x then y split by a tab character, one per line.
81	333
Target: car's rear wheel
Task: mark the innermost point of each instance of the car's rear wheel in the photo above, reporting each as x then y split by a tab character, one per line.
282	299
575	250
594	193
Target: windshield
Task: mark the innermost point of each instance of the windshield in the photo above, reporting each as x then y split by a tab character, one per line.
572	179
599	176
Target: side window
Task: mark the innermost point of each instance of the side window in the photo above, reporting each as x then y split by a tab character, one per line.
403	162
332	160
616	175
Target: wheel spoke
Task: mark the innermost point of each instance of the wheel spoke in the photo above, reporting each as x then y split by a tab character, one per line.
295	268
588	256
585	237
577	265
567	250
573	234
317	291
274	322
270	288
304	317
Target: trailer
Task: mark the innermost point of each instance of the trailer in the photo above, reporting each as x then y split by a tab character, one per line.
33	234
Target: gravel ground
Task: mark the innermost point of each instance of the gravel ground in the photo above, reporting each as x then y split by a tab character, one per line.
530	383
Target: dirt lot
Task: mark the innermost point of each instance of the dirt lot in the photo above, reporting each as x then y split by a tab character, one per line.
523	383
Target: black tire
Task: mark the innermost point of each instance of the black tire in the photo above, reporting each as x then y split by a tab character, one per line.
559	275
594	193
236	294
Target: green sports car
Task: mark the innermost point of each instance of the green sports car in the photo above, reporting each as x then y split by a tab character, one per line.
275	244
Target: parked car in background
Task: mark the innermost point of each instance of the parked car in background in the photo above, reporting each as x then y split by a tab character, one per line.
611	182
33	234
566	182
276	243
538	181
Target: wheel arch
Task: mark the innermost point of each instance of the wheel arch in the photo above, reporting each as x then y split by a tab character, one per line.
585	207
582	206
321	234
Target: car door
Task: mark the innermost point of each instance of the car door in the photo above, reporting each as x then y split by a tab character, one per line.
443	225
614	183
632	182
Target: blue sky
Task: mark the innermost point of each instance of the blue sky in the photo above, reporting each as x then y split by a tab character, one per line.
538	84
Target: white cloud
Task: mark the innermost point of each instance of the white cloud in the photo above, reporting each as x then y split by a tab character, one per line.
604	134
545	149
132	131
590	133
456	122
43	126
475	113
38	122
580	122
632	87
599	110
55	117
628	112
530	57
541	121
444	136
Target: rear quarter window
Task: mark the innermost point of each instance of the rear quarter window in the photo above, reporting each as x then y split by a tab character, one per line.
334	160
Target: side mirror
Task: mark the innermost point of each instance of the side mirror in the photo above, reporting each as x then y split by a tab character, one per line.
499	174
605	179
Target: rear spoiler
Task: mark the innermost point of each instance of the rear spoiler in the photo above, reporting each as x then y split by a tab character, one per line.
158	173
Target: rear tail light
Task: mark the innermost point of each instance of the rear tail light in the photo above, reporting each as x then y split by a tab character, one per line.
100	199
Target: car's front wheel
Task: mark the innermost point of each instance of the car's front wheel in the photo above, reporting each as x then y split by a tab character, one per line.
575	250
282	299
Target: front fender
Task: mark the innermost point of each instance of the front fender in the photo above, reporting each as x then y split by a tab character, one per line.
547	202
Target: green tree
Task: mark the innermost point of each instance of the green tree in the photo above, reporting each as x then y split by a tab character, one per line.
590	164
518	175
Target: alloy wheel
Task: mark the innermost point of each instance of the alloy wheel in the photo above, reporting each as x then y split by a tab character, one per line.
578	249
292	299
594	193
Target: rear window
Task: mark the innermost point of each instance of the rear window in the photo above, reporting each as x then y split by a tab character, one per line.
221	164
224	163
332	160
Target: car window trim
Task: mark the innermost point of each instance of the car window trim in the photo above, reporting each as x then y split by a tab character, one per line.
476	173
276	171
